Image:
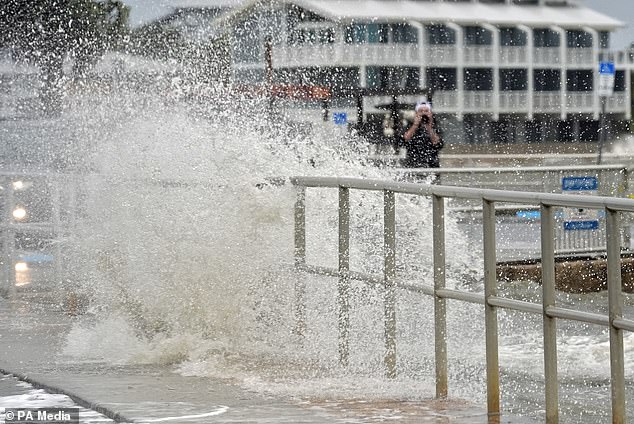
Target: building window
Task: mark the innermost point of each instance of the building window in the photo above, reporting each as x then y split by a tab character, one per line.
579	80
441	78
387	77
513	79
356	33
312	36
478	79
604	40
378	33
440	34
544	37
512	37
619	81
546	80
403	33
248	46
579	39
477	36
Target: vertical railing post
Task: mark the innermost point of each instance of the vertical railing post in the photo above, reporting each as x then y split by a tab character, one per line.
490	312
56	200
300	260
440	307
389	273
343	286
8	236
551	391
615	311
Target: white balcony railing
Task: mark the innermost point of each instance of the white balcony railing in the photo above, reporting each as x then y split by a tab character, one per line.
478	55
617	103
445	101
517	102
514	101
547	102
442	55
513	55
546	56
580	57
580	101
478	101
343	54
406	54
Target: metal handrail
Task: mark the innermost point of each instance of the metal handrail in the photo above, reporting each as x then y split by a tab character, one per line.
550	312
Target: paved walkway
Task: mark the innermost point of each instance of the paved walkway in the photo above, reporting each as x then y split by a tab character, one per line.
31	337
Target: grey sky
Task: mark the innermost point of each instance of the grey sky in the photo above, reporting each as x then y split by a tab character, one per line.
146	10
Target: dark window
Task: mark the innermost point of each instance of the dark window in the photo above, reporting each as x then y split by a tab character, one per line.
580	80
356	33
604	40
338	79
512	37
440	34
441	78
478	79
546	80
248	47
513	79
579	39
392	77
544	37
377	33
403	33
619	81
477	36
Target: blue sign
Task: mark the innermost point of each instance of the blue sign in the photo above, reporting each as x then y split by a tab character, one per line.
579	183
606	68
528	214
340	118
606	79
581	225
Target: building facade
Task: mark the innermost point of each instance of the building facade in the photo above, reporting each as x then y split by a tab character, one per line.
500	70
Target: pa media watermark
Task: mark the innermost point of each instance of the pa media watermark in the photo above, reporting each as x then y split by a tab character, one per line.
39	415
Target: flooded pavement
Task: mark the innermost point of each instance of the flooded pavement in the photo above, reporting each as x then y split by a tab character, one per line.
32	335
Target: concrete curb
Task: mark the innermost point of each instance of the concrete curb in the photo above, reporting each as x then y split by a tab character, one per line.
95	406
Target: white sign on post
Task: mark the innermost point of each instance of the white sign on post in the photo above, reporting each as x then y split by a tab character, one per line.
580	218
606	79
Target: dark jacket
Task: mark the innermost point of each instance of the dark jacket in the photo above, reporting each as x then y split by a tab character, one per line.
421	153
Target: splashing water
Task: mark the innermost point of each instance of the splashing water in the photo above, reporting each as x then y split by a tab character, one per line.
185	248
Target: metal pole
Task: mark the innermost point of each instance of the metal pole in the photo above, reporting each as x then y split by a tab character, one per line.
490	312
343	286
300	260
440	305
601	130
268	61
389	252
615	311
550	324
57	229
8	237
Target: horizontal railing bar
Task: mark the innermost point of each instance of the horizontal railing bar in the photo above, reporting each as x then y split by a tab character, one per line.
366	278
624	324
569	314
549	199
461	295
514	170
517	305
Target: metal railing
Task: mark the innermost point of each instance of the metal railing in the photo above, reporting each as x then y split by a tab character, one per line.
614	319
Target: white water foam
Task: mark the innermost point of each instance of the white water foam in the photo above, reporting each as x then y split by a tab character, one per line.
186	250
